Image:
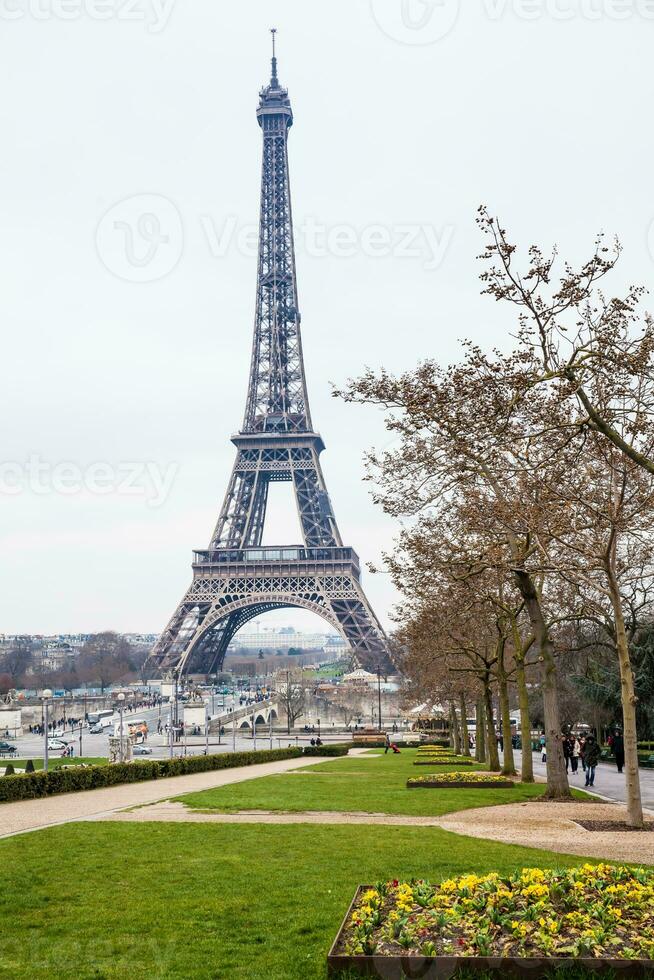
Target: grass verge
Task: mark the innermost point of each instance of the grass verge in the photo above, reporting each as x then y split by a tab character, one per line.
375	783
212	902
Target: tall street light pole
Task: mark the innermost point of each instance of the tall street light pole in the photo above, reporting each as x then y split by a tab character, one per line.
121	705
45	700
379	696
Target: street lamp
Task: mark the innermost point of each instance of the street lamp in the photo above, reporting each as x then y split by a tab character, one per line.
121	699
45	698
379	695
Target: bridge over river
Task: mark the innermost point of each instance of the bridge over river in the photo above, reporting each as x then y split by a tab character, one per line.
260	713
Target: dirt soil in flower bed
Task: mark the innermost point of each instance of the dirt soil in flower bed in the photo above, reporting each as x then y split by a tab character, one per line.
612	825
599	912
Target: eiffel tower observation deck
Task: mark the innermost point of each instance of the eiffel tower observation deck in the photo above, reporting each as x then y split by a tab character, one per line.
235	578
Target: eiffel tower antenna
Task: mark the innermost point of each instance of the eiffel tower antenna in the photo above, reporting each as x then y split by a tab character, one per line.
274	81
235	578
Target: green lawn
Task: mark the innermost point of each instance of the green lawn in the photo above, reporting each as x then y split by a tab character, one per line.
56	761
226	902
374	783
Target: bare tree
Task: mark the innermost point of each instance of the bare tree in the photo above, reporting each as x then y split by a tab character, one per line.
16	661
292	696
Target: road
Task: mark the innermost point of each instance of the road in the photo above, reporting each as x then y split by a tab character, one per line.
608	781
97	746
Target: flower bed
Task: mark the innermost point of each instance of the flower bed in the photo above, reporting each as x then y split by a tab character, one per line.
449	780
596	916
453	761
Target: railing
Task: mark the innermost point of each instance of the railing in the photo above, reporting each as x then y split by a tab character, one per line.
233	556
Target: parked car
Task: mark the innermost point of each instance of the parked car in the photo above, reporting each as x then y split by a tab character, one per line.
57	743
57	733
7	749
141	750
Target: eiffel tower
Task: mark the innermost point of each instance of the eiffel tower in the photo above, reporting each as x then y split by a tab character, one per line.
235	578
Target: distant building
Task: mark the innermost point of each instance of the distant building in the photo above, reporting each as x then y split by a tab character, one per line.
286	638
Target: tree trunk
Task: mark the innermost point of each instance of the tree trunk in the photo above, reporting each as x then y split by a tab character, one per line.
465	739
493	756
527	767
508	761
558	787
480	732
454	730
629	701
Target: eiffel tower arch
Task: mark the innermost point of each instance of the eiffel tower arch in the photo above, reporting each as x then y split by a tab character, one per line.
235	578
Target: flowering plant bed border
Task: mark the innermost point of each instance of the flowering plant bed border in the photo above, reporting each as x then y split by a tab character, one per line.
461	784
442	762
446	967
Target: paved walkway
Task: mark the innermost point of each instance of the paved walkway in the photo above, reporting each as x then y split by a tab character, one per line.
608	781
19	818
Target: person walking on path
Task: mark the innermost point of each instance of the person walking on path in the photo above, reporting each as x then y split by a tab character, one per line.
582	750
591	758
617	744
387	743
576	752
567	751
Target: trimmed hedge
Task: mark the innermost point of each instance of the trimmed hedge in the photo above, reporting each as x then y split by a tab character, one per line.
331	750
75	778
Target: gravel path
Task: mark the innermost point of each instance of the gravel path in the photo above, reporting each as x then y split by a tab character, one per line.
27	815
551	827
175	812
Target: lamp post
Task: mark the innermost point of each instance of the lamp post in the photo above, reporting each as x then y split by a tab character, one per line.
379	696
121	705
45	698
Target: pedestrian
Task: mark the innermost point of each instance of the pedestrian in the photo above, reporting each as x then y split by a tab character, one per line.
576	751
591	755
543	749
618	749
387	743
567	751
582	749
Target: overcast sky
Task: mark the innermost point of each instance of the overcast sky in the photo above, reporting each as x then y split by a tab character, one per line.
130	179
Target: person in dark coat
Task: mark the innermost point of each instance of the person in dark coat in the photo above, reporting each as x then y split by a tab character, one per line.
618	749
591	758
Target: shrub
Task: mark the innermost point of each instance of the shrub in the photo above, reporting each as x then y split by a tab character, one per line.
10	771
30	766
72	779
331	750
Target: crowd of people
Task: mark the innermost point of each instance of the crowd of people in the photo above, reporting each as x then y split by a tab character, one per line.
585	749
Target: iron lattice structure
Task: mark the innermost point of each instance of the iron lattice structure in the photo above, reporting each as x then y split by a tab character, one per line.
235	578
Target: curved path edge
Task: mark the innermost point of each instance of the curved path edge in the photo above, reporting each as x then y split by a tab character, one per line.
51	811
